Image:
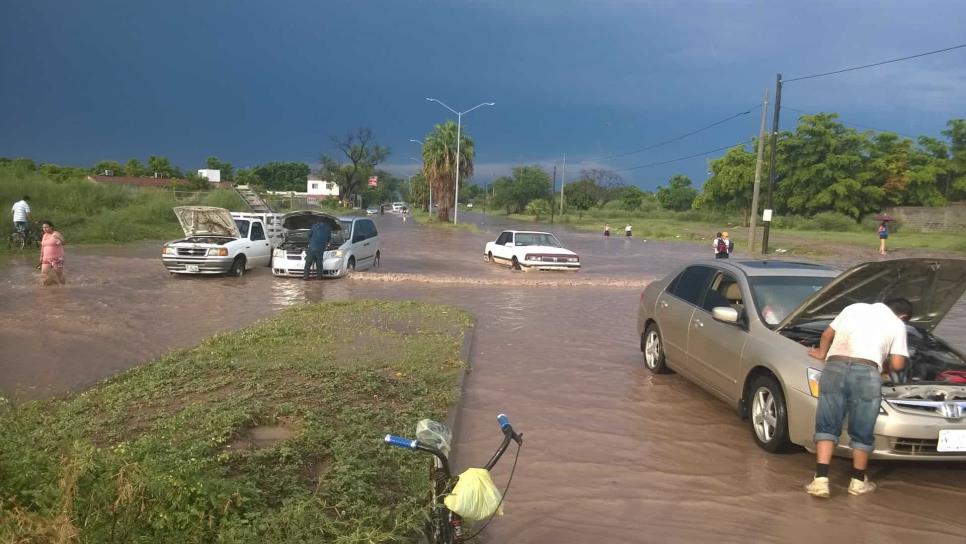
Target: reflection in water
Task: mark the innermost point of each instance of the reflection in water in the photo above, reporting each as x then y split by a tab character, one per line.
612	453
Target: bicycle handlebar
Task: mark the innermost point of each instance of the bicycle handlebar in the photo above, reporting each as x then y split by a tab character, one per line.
503	421
401	442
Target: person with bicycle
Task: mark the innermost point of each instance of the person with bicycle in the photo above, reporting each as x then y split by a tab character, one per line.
51	256
21	214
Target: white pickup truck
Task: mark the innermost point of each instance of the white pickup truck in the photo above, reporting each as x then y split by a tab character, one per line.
216	243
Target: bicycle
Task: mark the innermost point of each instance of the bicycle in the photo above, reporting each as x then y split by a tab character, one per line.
445	526
21	239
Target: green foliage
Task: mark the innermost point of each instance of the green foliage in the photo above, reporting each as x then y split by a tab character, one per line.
227	170
440	160
730	187
134	168
525	184
631	198
582	194
538	208
164	452
278	176
419	192
163	168
678	195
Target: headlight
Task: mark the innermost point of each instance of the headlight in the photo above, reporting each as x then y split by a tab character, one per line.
339	253
531	258
168	251
814	375
573	260
218	252
278	252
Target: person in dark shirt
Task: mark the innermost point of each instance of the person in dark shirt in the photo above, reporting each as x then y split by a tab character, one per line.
319	236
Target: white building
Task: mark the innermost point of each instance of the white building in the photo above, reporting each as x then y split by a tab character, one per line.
214	176
320	188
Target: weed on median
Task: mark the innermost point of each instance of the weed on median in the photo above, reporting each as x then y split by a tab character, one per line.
269	434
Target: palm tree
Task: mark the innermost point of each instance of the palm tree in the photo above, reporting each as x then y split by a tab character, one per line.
439	164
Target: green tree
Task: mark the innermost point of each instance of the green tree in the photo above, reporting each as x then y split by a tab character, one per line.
361	155
823	169
731	184
539	207
134	168
108	166
956	132
227	170
525	184
678	195
439	163
279	176
610	184
581	195
631	198
162	167
419	191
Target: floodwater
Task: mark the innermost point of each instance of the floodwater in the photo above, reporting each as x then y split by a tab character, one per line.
611	452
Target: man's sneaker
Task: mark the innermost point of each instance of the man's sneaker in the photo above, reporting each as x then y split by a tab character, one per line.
861	487
818	487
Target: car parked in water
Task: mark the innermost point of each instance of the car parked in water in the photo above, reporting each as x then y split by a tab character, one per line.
741	330
354	245
216	243
530	250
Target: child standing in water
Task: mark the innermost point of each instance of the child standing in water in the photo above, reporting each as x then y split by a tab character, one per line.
607	229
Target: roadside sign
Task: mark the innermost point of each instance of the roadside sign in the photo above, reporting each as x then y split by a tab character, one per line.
373	181
766	216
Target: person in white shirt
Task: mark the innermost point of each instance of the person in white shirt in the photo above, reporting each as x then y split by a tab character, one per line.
862	342
21	213
627	230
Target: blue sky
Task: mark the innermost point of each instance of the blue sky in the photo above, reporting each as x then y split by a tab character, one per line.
254	81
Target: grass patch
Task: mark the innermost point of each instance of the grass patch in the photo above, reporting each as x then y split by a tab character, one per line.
89	213
269	434
430	220
804	240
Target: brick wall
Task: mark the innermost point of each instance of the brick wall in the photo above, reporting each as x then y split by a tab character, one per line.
950	218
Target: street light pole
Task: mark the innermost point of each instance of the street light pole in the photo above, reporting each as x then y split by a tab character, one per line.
459	129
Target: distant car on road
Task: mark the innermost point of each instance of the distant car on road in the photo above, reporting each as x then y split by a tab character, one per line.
741	329
529	250
469	205
372	211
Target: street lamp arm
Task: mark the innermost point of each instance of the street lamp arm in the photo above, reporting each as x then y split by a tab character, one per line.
478	106
416	141
444	105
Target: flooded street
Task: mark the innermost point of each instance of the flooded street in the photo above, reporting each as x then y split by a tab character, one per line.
612	453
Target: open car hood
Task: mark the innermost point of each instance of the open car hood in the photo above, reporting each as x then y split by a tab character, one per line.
303	220
932	285
206	221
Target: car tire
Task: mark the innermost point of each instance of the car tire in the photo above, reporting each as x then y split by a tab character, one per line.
768	415
237	267
515	264
377	261
652	350
350	266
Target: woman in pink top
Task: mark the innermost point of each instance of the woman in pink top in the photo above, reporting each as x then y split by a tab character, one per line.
51	255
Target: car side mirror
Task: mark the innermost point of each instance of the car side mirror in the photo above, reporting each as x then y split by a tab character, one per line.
725	314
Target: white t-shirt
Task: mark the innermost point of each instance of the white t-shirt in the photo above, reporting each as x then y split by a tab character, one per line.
20	210
868	331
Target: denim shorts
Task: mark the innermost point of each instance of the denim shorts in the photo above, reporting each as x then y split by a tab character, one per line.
853	390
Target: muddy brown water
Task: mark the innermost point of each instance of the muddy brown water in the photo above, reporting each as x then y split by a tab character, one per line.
612	453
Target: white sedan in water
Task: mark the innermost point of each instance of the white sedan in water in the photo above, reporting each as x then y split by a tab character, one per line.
529	250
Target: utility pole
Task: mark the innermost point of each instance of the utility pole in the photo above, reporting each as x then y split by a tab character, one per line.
563	181
553	189
771	166
753	231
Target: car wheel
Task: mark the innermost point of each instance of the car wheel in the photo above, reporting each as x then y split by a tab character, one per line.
768	415
515	265
350	267
652	345
377	261
237	267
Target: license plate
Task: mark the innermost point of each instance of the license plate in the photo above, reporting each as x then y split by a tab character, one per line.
952	440
191	268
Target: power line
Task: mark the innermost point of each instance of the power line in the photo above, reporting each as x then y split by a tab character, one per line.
638	167
675	139
844	122
875	64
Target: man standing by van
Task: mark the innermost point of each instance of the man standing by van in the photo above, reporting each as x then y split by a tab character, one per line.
856	347
21	214
319	236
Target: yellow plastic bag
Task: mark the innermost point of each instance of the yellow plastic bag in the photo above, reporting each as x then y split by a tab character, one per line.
475	497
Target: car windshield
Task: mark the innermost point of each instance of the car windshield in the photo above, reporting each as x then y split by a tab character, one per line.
537	239
302	236
242	225
776	296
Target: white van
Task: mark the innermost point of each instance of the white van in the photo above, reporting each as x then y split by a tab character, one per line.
354	245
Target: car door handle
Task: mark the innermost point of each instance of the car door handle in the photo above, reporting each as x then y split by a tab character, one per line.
366	244
698	323
663	304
